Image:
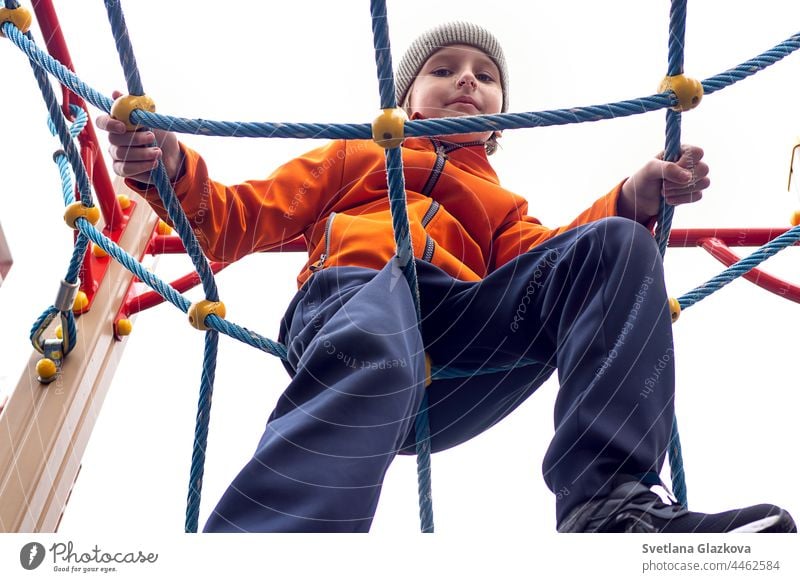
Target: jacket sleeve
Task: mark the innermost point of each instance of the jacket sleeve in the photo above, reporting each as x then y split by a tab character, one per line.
519	232
233	221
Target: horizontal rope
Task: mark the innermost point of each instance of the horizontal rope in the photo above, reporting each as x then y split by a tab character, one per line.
417	128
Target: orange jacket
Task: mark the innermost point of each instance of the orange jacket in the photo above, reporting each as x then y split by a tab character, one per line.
336	197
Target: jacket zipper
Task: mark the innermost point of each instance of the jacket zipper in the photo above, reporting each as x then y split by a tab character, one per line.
436	172
432	210
326	253
430	245
441	157
438	166
430	184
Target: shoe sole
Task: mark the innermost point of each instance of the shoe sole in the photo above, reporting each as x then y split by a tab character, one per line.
780	523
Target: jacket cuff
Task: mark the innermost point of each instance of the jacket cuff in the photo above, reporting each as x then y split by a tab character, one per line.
614	197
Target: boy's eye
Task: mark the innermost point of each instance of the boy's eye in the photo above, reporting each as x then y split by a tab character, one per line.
441	72
484	77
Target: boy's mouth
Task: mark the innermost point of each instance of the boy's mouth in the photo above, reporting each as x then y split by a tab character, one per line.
464	100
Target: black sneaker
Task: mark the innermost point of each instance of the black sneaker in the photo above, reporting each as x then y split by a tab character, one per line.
633	508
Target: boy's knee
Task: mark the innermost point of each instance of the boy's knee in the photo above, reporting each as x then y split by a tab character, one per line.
624	235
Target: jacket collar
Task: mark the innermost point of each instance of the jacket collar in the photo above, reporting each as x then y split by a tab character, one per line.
470	157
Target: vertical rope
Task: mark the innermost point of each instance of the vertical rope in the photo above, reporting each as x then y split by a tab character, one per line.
68	155
124	47
181	223
405	253
163	185
201	431
677	37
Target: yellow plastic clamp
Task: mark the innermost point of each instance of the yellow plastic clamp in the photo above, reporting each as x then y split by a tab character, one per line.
428	379
77	210
81	303
202	309
47	370
19	17
795	219
124	201
98	251
388	128
163	228
125	105
688	91
674	309
123	327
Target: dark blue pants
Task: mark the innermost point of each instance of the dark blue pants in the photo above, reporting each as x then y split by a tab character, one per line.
590	303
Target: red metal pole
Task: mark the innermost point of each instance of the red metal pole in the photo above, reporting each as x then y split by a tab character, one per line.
719	250
733	237
148	299
172	245
98	173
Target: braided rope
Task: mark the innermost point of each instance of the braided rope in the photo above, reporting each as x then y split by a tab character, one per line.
199	260
672	153
416	128
403	244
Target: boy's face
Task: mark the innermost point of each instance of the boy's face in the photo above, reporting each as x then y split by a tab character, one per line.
457	80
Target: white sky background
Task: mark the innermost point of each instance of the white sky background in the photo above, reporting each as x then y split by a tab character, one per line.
736	352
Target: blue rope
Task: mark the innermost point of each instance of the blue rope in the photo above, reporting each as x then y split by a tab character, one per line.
124	47
383	54
405	251
417	128
165	191
199	260
201	431
69	155
672	153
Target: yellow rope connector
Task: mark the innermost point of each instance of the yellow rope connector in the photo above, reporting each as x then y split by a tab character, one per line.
202	309
388	128
428	379
123	107
77	210
674	309
795	219
19	17
688	91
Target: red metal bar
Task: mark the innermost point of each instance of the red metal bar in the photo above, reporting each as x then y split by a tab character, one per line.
98	173
172	245
733	237
148	299
719	250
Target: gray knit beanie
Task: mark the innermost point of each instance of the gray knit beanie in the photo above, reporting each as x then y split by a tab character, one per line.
445	35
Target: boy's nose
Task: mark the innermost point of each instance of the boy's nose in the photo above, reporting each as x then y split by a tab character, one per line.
467	78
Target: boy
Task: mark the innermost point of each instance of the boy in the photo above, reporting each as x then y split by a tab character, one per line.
496	289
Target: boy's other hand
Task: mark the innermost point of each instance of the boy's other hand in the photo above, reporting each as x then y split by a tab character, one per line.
679	182
135	154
